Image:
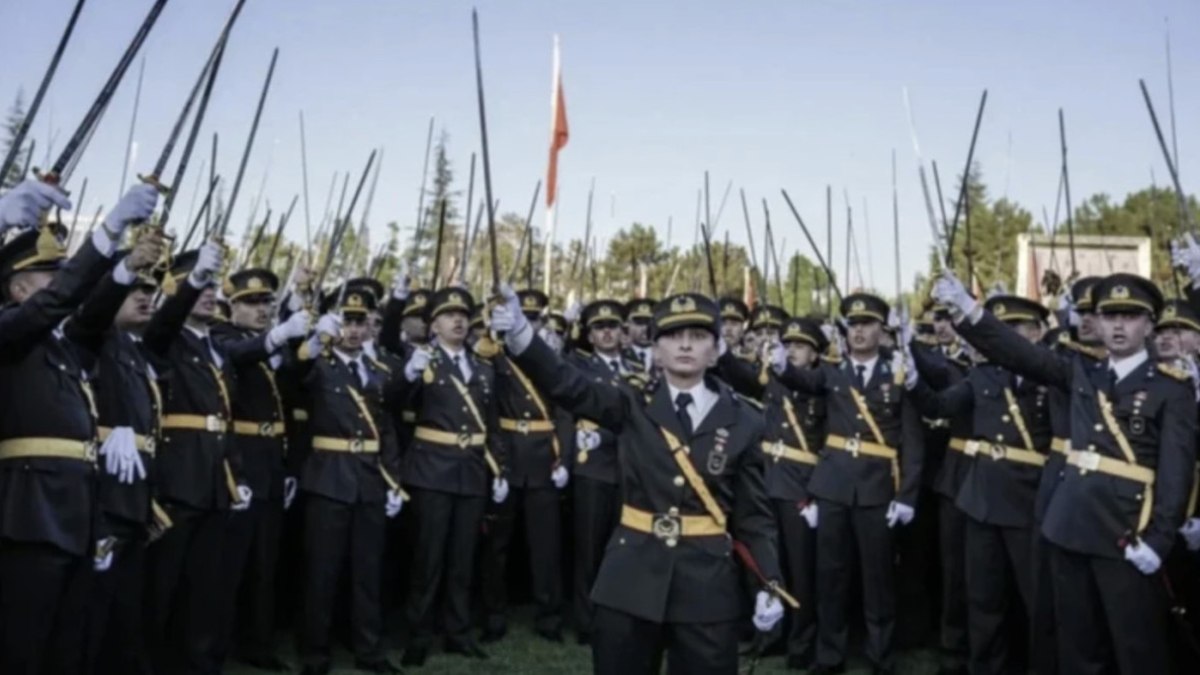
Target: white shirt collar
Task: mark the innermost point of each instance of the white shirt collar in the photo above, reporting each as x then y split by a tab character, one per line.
347	360
369	349
198	332
1128	364
870	365
703	400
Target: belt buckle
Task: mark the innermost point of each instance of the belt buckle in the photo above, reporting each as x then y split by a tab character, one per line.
852	446
148	446
776	450
997	451
464	440
357	445
971	448
523	427
89	450
667	528
266	429
214	424
1088	461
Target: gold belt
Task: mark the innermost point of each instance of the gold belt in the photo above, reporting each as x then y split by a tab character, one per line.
59	448
670	526
263	429
463	440
351	445
526	427
780	451
998	451
858	447
144	443
1086	461
210	423
1060	445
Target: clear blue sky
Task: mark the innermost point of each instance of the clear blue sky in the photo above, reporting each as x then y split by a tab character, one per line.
795	94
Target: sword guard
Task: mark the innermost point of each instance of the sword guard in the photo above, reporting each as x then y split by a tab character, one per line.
153	180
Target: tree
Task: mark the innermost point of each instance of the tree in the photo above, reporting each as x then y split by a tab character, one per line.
986	240
438	193
12	126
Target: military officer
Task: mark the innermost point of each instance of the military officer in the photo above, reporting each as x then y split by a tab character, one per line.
1122	493
455	461
766	322
639	313
48	427
692	482
866	483
733	323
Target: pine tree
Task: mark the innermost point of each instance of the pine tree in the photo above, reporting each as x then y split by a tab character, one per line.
12	126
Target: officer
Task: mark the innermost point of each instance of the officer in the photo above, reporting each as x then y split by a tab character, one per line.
251	549
538	468
733	324
1005	455
1112	518
766	322
48	427
694	484
351	481
795	431
455	456
198	470
866	483
639	312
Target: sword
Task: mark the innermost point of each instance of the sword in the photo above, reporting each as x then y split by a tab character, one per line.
223	228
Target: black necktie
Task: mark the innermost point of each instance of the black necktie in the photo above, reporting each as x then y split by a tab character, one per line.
208	346
616	367
682	401
1112	380
458	366
861	373
355	372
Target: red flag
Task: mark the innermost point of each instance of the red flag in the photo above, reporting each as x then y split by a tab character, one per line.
558	127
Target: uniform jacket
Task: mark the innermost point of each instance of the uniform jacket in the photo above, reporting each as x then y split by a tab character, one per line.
943	468
698	580
532	455
600	463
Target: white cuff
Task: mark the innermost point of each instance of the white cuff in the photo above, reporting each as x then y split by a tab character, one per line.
519	340
195	282
107	247
122	274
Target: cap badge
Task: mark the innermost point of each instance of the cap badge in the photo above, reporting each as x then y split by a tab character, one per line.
604	310
455	298
530	302
418	300
254	284
1001	309
858	306
1119	293
683	304
354	300
1169	312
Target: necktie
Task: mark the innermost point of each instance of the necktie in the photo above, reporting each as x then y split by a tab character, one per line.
1112	380
861	373
682	401
458	366
212	351
616	367
354	370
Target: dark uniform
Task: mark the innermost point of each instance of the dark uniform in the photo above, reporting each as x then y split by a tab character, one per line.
795	430
353	464
1126	479
871	458
668	579
537	447
1004	458
449	467
48	441
196	475
251	549
640	311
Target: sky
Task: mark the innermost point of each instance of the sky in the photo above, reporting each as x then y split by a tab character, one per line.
795	94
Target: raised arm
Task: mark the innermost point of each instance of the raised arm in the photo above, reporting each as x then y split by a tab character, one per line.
741	374
1004	346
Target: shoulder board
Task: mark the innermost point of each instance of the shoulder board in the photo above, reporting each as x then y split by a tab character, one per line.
746	399
746	356
380	365
928	340
1097	353
835	360
1174	372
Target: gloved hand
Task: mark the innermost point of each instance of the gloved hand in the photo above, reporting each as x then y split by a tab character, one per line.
902	361
208	263
573	312
949	291
400	283
417	363
560	477
508	318
289	492
1191	533
499	490
135	207
899	513
1185	253
121	458
551	338
810	514
22	206
779	360
102	559
587	440
244	495
768	610
394	503
296	326
1143	557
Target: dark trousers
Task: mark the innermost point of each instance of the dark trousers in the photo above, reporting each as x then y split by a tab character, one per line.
999	568
42	607
1043	643
336	536
597	508
539	509
952	546
447	531
183	574
1111	617
800	575
840	530
623	644
115	642
916	588
249	558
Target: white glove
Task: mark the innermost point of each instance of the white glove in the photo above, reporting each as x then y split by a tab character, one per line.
948	290
121	458
1191	533
296	326
1185	253
778	358
587	440
899	513
289	492
394	503
551	338
103	558
244	494
902	361
810	515
417	363
499	490
23	205
509	315
573	312
135	207
560	476
400	283
208	263
331	325
767	611
1143	557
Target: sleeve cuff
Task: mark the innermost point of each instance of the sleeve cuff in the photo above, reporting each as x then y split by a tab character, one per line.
123	275
518	341
107	247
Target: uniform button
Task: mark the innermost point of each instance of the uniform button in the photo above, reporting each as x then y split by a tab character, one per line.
1091	447
673	511
671	543
622	541
999	438
858	417
679	481
464	409
1005	418
1099	427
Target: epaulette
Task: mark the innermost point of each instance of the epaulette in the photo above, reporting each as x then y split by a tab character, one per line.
1174	372
1097	353
928	340
746	356
486	348
835	360
757	405
380	365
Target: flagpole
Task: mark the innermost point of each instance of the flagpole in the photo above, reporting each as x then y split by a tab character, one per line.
558	139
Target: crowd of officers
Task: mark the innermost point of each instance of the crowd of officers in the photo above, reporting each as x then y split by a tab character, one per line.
181	439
